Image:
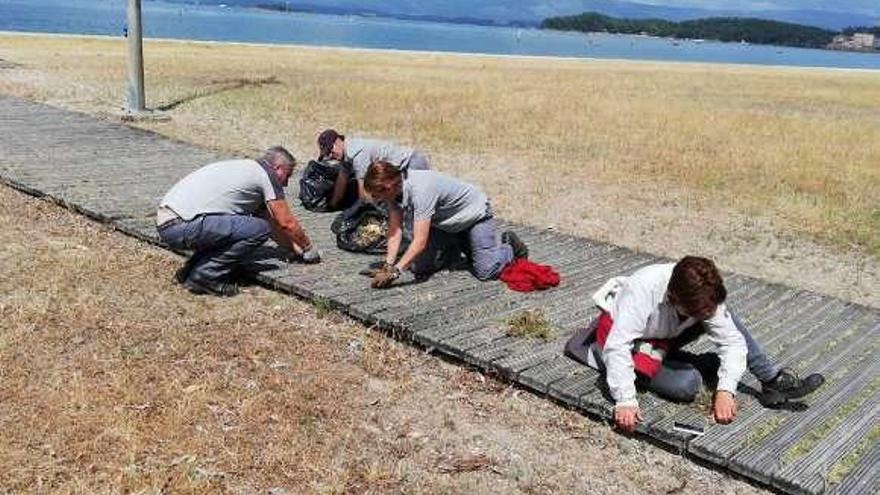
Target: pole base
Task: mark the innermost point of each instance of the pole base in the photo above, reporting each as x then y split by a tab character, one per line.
145	115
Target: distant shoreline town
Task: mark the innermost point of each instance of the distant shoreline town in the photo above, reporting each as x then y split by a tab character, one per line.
857	42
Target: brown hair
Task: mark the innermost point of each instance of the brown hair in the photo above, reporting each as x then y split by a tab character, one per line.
382	177
696	285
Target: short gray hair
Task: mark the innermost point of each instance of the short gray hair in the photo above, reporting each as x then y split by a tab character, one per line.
278	156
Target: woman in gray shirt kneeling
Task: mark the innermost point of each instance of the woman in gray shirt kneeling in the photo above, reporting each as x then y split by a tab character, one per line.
452	222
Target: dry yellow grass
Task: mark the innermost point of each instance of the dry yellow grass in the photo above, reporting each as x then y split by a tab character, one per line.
802	146
113	380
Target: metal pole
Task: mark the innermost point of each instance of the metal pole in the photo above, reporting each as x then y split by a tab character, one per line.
136	100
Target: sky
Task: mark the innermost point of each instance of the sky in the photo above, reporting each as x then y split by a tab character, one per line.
870	7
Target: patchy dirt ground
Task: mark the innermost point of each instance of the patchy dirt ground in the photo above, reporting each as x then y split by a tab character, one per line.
114	380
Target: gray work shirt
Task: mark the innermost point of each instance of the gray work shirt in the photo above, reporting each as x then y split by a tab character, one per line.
450	204
235	187
360	153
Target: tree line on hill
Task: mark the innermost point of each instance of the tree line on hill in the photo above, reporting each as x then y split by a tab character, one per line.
760	31
861	29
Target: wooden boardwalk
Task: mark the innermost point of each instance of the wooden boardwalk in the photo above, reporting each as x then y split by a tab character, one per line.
117	175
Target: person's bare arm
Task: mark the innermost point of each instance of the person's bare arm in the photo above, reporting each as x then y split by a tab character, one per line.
389	273
339	189
421	231
286	228
395	234
362	193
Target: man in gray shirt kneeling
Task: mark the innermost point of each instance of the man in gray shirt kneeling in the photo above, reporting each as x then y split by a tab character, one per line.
225	210
450	218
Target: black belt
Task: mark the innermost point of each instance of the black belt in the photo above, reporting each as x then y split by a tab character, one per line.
169	223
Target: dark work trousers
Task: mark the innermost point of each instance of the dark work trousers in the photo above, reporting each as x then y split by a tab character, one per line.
479	247
681	375
219	242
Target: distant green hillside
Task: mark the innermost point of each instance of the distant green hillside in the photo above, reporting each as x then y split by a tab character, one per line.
715	28
862	29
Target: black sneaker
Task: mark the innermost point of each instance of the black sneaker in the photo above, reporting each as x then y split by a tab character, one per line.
520	250
788	386
182	273
200	286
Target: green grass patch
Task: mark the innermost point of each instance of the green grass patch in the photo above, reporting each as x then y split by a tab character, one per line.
839	338
704	402
856	363
323	306
806	444
847	463
873	240
764	429
531	323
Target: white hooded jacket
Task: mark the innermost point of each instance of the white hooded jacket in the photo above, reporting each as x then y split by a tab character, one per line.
640	309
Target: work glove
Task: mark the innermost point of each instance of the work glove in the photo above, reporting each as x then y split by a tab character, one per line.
311	256
374	268
385	276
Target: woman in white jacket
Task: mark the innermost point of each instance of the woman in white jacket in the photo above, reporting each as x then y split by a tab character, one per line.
663	307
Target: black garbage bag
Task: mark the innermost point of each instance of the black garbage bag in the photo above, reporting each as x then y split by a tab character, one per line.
317	182
362	228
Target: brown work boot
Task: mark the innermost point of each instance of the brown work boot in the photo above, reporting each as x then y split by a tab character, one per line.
520	250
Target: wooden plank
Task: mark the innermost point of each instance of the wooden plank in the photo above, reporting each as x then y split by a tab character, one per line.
570	388
862	478
596	399
574	302
458	346
763	459
542	376
754	423
802	344
810	471
806	317
517	361
752	307
810	314
664	427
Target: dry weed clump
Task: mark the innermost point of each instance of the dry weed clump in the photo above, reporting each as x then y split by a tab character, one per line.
472	382
531	323
371	231
460	463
